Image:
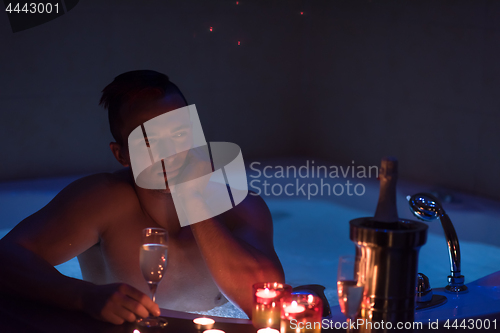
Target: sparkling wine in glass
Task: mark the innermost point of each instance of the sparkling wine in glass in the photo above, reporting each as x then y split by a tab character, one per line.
153	261
349	287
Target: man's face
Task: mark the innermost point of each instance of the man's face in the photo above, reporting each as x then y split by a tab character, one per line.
168	134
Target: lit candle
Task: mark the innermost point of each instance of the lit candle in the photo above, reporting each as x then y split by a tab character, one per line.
214	331
266	311
266	293
268	330
203	323
304	309
295	308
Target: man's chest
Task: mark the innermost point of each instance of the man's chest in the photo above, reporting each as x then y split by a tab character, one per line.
186	277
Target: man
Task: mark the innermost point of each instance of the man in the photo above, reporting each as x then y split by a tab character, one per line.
100	218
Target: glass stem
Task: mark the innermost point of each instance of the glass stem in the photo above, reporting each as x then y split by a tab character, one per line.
152	288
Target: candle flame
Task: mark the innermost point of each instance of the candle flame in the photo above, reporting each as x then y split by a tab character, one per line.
268	330
203	321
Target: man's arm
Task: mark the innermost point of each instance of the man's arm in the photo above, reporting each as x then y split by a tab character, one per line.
241	252
71	223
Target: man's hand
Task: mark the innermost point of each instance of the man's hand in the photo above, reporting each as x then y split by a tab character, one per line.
118	302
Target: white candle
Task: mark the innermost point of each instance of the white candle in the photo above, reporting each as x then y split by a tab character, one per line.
203	321
268	330
295	308
214	331
266	293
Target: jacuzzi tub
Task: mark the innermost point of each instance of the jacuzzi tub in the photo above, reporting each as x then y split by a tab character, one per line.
310	234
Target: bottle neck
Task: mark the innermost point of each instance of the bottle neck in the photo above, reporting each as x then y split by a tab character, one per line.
386	207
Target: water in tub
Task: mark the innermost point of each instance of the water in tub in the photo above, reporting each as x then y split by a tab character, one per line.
310	234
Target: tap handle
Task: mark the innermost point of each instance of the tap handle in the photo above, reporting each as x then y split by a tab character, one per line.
424	290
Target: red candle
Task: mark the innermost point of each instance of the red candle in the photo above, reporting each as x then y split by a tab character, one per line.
301	313
294	308
266	293
266	311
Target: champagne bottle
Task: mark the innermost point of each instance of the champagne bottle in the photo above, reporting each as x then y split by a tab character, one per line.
386	207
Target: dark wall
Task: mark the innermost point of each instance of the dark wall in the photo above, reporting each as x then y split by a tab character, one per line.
52	76
416	79
347	80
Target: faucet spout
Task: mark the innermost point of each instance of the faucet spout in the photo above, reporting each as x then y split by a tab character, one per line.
427	208
453	245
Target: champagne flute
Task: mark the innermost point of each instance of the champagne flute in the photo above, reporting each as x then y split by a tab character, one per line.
153	261
349	287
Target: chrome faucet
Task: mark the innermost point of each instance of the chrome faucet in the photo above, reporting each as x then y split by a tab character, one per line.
427	208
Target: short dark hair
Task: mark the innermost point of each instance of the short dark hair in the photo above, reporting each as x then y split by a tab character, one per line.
125	87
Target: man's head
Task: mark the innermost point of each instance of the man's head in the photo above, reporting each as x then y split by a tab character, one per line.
133	98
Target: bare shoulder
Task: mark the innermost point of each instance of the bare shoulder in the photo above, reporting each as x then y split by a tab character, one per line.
103	197
100	186
74	220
